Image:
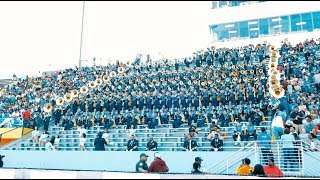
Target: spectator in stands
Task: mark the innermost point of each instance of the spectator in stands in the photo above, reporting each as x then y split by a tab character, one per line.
158	165
244	168
264	140
99	143
237	136
35	135
251	129
106	135
49	145
277	126
258	170
132	144
303	135
313	144
288	148
308	124
82	130
43	138
82	141
132	130
216	143
151	145
196	166
190	144
296	117
272	170
56	141
142	166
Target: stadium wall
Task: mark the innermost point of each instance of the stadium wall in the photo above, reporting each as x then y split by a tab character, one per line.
178	162
56	174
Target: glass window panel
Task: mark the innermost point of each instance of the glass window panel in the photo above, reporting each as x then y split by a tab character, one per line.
244	28
264	26
222	3
306	22
223	32
214	29
233	31
294	20
275	27
214	5
316	20
284	24
253	28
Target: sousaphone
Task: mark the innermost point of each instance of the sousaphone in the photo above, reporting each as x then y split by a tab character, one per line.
47	107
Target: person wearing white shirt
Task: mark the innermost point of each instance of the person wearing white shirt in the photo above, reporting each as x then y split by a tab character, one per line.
106	135
35	135
49	146
277	126
82	141
82	130
56	141
132	130
303	135
43	138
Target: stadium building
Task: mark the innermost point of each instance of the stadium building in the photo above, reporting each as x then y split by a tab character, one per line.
263	20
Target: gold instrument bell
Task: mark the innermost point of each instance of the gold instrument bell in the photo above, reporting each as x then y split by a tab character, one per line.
67	97
47	107
112	74
106	78
92	84
120	70
84	89
98	82
74	93
128	63
60	101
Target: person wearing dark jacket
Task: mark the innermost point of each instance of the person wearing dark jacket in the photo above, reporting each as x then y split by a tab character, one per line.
99	143
190	144
158	165
151	145
132	144
197	165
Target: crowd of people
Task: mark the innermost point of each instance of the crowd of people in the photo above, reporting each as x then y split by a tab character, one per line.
214	85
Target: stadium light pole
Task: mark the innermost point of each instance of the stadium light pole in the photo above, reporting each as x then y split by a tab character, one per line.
80	57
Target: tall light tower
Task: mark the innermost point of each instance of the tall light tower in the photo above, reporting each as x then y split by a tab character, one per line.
80	57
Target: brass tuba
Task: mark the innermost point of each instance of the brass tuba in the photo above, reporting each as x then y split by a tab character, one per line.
47	107
120	70
92	84
112	74
98	82
74	93
106	78
67	97
60	101
84	89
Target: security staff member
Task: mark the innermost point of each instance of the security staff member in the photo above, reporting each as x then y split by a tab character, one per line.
142	166
151	145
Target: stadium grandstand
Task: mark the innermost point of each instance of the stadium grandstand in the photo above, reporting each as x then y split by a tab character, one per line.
258	101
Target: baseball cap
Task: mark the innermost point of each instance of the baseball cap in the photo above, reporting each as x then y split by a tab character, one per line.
143	154
271	159
198	159
157	155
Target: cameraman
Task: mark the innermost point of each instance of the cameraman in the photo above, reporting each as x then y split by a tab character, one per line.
1	162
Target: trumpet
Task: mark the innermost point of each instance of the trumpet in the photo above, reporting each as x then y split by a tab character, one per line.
74	93
98	82
60	101
84	89
113	74
92	84
47	107
67	97
120	70
106	78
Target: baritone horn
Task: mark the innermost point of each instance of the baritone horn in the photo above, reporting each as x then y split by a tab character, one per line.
47	107
84	89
